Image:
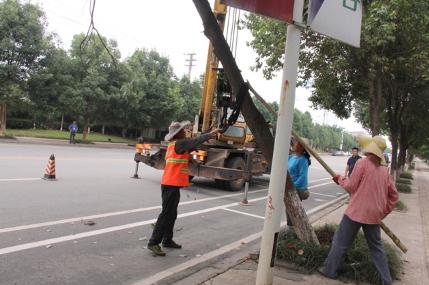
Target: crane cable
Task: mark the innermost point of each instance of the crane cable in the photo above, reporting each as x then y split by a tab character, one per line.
90	34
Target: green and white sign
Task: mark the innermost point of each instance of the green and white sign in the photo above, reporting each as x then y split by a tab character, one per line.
338	19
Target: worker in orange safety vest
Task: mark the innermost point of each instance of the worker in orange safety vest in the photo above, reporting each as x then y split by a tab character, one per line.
175	176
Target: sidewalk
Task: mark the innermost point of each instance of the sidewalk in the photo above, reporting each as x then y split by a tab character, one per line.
412	227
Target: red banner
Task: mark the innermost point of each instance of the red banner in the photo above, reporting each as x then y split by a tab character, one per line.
278	9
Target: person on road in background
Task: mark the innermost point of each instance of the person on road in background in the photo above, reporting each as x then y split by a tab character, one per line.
373	197
352	161
298	164
175	176
73	130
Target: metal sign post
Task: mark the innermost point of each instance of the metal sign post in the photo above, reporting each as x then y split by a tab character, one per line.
274	208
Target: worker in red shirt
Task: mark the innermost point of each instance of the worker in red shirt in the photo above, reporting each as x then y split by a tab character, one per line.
373	197
175	176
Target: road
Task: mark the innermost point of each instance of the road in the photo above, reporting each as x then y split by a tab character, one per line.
45	239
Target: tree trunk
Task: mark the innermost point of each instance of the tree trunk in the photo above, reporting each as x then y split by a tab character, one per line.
62	122
102	129
375	93
85	129
3	109
394	163
124	132
253	117
303	228
402	157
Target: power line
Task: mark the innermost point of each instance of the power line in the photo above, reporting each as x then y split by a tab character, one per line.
190	62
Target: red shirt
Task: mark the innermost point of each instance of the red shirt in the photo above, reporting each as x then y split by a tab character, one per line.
373	192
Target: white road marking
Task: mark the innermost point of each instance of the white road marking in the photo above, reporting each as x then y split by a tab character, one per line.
319	185
51	241
188	264
319	200
19	179
78	219
321	179
321	194
244	213
105	215
31	245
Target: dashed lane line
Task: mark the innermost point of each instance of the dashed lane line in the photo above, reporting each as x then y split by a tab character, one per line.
21	247
243	213
105	215
30	245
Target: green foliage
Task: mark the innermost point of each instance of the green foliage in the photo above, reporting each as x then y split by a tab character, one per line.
324	138
358	265
384	82
400	206
188	95
403	188
404	181
22	45
406	175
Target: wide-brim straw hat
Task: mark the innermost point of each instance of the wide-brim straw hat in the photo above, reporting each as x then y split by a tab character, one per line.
174	128
375	145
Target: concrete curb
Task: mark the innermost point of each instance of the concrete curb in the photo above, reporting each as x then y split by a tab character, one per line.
61	142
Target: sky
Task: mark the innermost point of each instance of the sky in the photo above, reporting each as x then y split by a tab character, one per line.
174	28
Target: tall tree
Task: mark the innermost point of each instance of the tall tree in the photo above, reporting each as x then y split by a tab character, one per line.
97	75
152	84
51	88
188	94
376	77
22	46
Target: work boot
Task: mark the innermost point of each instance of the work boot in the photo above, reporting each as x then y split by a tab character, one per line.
171	244
156	249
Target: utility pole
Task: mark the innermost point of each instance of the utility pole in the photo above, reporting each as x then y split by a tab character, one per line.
190	62
274	209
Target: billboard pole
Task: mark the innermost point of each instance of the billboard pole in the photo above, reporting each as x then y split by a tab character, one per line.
274	207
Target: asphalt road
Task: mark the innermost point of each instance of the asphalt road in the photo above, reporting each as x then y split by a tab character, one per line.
45	239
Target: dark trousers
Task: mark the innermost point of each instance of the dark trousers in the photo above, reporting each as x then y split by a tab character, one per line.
72	137
163	230
343	239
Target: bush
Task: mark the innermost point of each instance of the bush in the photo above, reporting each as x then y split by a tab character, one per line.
358	264
403	188
407	175
400	206
404	181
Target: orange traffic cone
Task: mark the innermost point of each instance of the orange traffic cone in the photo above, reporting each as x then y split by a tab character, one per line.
50	169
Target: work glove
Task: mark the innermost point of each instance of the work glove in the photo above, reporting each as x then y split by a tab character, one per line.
336	178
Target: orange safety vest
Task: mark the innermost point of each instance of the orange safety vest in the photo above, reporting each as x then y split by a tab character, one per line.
176	171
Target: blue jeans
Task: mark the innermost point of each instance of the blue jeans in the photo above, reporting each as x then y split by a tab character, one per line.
343	239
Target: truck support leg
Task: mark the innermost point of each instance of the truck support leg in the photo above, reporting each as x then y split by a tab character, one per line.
249	161
136	173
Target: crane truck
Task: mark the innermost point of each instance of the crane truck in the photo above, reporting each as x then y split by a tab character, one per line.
233	157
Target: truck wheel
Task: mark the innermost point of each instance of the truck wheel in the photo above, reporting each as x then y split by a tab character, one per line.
235	163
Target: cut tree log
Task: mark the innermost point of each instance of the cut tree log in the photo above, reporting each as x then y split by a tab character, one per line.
253	117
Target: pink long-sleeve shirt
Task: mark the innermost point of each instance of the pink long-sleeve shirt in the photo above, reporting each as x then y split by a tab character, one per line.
373	192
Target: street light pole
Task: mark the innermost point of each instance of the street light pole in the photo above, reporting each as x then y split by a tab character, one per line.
274	207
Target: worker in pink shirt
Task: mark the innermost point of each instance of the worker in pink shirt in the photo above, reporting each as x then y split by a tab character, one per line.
373	197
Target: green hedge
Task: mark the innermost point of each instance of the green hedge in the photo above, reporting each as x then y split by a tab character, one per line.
407	175
358	265
403	188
